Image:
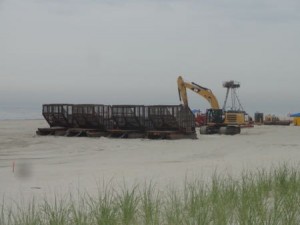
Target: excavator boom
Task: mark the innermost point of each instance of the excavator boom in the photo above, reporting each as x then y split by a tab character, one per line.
204	92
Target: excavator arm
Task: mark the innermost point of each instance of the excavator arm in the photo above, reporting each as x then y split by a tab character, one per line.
204	92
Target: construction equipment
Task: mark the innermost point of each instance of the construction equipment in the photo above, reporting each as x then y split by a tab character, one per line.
258	118
121	121
274	120
217	120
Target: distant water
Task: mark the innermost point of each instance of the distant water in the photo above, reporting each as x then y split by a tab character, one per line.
13	112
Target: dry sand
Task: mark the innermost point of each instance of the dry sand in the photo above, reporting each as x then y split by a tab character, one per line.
44	164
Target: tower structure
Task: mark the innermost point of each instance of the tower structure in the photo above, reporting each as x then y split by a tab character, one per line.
231	93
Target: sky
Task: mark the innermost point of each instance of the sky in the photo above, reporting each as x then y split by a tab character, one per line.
131	52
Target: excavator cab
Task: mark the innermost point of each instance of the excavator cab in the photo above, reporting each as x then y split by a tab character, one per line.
214	116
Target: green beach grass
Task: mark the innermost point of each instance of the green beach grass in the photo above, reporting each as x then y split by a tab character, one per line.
264	197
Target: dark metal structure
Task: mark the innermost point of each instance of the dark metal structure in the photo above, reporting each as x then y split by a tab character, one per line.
92	116
162	117
258	118
122	121
170	118
128	117
58	115
186	120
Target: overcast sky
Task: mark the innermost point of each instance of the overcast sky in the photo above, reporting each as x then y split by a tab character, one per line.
131	52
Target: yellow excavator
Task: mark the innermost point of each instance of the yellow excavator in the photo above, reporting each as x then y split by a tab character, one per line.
217	120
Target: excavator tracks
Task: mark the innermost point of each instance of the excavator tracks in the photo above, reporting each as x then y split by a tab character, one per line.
225	130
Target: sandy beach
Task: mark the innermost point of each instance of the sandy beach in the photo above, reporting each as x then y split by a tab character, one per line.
31	164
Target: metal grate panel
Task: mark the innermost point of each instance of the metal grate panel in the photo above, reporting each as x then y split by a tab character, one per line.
58	115
91	116
128	117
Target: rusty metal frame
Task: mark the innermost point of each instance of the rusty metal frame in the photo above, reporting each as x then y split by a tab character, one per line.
58	115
